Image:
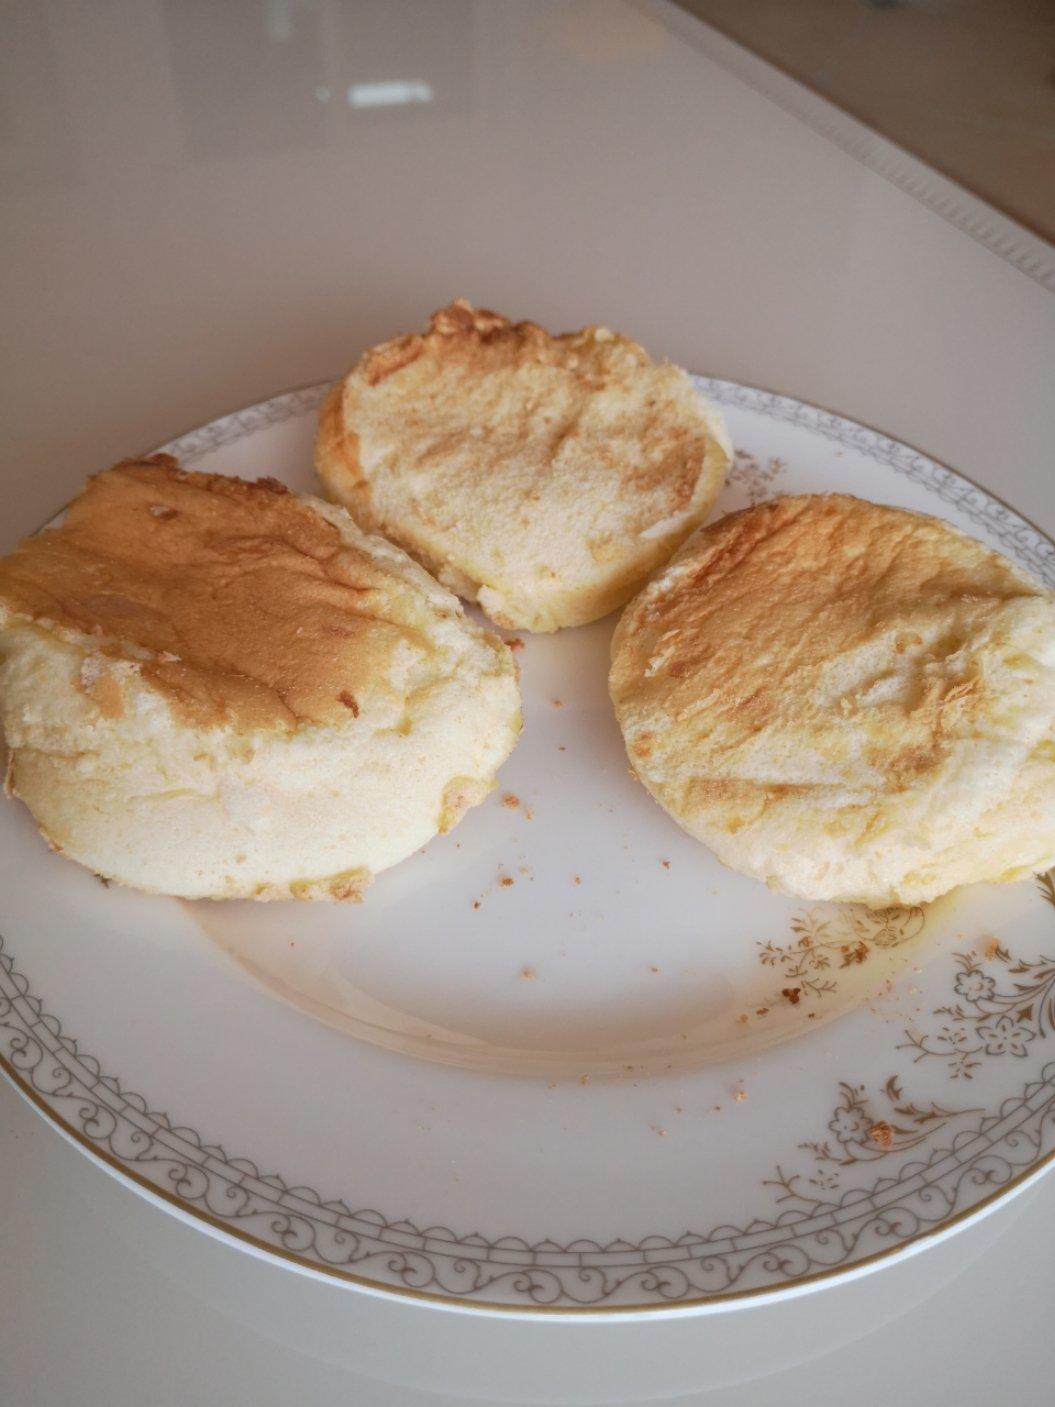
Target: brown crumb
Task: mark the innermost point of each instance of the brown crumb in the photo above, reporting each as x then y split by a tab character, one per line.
584	1079
511	801
507	881
349	702
678	1109
716	1108
660	1133
743	1018
528	972
552	1084
515	643
476	903
665	864
652	967
103	689
529	815
561	747
558	703
577	879
882	1134
811	1016
791	994
347	893
739	1095
762	1011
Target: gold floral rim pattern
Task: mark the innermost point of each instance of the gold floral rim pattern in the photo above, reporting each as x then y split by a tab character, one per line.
825	943
827	1218
829	1214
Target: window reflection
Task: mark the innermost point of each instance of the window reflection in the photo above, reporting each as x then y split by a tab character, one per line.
389	94
286	75
403	58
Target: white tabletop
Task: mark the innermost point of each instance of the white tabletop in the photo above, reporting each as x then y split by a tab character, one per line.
205	205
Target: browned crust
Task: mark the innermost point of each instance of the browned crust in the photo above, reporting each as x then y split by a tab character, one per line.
454	333
758	601
337	455
336	450
681	459
458	331
243	605
461	317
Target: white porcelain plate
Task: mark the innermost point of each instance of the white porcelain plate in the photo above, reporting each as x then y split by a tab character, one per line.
561	1059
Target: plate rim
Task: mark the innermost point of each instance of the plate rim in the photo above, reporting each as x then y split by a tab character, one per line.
718	1301
723	1302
